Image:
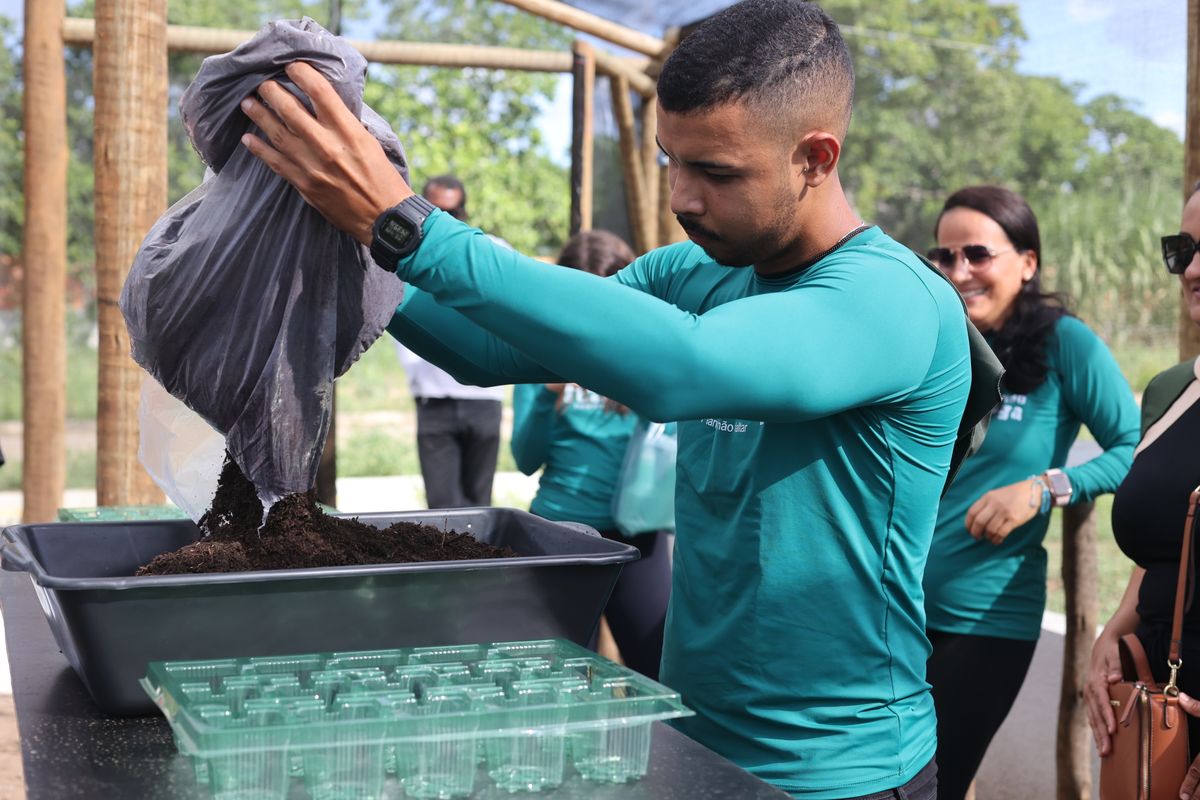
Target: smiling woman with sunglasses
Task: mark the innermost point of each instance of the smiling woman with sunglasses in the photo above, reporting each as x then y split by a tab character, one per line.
985	582
1148	511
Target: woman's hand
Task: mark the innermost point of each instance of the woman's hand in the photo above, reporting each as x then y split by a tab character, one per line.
1192	779
331	159
1105	670
999	512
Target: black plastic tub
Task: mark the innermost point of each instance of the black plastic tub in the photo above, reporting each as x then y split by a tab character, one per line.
110	624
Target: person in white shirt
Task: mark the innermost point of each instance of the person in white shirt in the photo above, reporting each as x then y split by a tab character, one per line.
458	426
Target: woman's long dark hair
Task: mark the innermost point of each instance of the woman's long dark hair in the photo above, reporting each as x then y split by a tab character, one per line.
599	252
1021	341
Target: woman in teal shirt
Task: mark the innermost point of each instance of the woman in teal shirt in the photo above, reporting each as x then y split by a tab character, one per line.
985	581
578	439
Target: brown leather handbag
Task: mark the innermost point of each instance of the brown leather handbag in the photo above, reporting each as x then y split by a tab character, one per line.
1150	748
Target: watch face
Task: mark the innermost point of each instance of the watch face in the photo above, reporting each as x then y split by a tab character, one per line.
396	232
1060	484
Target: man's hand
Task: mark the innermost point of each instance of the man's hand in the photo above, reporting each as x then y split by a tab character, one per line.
1104	671
995	515
334	163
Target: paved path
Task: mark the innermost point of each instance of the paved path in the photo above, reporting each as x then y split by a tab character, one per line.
1020	763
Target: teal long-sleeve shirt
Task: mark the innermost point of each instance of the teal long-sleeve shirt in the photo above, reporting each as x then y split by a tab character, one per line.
817	417
983	589
578	443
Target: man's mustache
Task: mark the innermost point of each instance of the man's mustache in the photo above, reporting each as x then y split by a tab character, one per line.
689	226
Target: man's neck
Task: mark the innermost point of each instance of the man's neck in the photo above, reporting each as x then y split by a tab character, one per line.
821	232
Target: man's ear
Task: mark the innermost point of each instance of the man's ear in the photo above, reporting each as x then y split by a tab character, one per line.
816	156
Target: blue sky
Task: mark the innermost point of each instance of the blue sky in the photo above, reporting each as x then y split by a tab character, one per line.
1133	48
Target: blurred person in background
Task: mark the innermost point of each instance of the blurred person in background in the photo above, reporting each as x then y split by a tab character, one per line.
578	439
985	582
458	426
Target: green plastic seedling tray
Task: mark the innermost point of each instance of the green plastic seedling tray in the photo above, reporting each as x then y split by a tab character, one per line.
120	513
442	721
127	513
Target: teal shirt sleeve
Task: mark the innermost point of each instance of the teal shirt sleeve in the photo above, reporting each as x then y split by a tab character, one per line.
825	343
1097	393
470	354
533	424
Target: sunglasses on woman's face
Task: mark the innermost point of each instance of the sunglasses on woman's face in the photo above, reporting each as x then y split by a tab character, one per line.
1178	249
977	256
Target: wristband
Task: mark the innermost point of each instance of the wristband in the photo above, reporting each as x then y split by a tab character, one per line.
1046	500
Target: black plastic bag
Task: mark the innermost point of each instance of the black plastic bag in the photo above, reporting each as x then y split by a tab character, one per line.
243	301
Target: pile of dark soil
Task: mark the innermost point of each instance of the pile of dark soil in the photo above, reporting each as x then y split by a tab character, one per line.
298	534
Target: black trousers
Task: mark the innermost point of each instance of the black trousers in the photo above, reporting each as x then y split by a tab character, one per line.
975	680
458	442
637	609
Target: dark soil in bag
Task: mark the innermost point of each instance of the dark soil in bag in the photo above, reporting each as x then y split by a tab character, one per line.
298	534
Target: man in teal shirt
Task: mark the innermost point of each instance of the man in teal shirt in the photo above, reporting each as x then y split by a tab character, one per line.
818	369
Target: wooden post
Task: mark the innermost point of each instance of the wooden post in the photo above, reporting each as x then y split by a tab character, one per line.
327	465
44	261
650	169
204	41
631	162
1074	748
130	86
638	80
1189	332
582	21
583	135
669	230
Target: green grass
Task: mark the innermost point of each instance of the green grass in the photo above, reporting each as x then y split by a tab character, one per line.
1142	360
382	453
375	382
81	472
377	453
82	370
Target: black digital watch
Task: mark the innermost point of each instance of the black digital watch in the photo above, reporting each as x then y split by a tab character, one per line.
398	231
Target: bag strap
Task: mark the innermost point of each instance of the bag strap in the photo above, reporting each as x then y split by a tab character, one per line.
1183	587
1134	663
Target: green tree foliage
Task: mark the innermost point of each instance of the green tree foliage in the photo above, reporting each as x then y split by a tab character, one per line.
11	163
939	105
478	124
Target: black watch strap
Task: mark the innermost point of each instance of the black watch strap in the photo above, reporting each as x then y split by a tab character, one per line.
403	221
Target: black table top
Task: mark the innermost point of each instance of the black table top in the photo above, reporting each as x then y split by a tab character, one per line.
71	750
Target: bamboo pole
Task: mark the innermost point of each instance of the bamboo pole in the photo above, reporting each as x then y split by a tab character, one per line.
186	39
1079	571
130	87
669	230
639	80
327	465
583	136
1189	332
584	22
631	163
650	169
44	261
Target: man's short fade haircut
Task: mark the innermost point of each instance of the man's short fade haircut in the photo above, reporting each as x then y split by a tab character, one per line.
770	54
